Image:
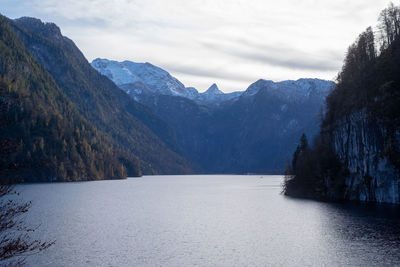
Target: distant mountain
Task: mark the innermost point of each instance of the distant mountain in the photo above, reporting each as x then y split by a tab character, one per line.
295	91
265	123
132	128
251	131
43	137
144	79
82	126
152	79
215	96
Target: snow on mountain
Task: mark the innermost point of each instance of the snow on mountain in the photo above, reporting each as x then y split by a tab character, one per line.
154	78
192	92
213	90
144	78
214	95
139	79
299	90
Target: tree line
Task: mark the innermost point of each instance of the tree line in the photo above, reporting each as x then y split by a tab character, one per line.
369	81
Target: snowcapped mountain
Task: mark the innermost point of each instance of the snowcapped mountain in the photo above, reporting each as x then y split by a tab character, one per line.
144	79
295	91
141	80
212	90
248	131
214	95
138	78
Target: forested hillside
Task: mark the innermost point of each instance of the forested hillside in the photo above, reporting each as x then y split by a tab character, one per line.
42	135
357	154
132	127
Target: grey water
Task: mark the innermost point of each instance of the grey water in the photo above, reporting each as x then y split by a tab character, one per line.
210	220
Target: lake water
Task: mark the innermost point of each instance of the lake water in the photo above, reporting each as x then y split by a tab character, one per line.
206	221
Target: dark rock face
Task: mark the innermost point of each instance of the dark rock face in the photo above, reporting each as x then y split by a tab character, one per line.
357	156
359	141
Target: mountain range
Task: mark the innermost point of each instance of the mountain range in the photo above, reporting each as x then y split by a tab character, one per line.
241	132
72	120
144	79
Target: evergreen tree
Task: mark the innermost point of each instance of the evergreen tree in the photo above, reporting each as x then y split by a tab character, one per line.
47	138
369	83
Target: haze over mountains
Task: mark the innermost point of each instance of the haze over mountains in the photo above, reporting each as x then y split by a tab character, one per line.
241	132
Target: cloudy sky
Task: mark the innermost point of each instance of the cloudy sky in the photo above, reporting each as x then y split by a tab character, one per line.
230	42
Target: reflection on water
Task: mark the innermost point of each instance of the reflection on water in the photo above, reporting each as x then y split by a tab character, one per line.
206	220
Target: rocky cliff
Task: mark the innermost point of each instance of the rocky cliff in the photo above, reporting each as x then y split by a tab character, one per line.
360	143
357	154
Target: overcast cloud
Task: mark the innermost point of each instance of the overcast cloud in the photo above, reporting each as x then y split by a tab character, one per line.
230	42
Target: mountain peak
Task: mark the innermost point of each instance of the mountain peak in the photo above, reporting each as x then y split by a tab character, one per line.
298	90
214	90
156	79
47	29
100	62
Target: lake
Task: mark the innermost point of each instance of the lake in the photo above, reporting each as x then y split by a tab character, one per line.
205	220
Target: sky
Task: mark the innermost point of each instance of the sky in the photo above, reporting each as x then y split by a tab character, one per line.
231	43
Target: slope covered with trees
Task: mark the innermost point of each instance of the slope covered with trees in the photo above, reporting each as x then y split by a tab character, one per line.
130	126
42	135
357	154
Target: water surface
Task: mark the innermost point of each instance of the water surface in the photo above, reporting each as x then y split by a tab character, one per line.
206	221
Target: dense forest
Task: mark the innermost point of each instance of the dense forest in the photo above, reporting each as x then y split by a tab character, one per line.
132	128
357	153
63	121
42	135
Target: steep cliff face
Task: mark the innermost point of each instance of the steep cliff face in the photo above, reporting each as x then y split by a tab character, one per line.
357	154
359	142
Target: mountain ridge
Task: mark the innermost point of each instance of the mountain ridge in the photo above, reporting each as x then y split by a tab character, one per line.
263	121
138	79
142	78
134	128
43	136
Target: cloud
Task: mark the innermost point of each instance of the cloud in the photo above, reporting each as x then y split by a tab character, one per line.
279	55
230	42
203	71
